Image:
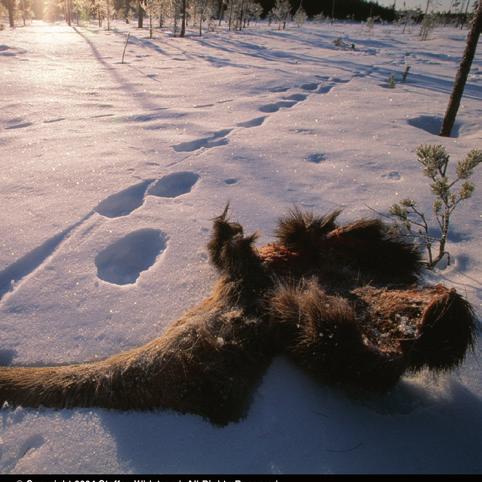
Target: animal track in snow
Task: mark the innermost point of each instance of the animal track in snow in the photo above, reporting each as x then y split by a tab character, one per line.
316	158
128	200
219	138
216	139
279	89
119	204
123	261
276	106
297	97
231	181
324	88
289	100
124	202
392	176
310	86
174	185
256	122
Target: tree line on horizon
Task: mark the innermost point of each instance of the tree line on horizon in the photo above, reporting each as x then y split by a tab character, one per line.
337	9
358	10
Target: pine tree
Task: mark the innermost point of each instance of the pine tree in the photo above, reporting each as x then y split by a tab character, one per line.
281	11
300	16
448	194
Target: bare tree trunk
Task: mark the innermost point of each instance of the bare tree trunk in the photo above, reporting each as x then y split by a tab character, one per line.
183	23
23	11
462	74
68	11
11	13
140	15
108	13
231	7
241	15
127	10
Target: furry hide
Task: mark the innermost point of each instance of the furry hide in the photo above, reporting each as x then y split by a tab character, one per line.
339	301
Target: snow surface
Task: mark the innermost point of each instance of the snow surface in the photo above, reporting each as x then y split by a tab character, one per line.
111	174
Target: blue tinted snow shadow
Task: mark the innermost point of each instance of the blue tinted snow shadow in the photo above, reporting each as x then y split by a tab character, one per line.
174	184
123	261
316	158
28	263
296	426
432	124
124	202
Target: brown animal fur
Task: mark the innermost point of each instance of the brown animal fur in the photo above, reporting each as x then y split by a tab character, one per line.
305	296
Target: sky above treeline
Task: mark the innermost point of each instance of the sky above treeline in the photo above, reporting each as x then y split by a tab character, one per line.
434	4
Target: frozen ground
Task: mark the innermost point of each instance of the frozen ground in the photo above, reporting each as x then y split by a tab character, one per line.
110	175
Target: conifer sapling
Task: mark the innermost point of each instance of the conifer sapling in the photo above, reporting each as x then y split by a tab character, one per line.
448	195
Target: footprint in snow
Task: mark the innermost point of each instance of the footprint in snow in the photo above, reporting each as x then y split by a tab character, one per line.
252	122
392	176
128	200
124	202
297	97
316	158
216	139
123	261
279	89
174	185
231	181
275	107
310	86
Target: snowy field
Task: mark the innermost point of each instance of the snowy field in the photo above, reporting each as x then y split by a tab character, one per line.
110	175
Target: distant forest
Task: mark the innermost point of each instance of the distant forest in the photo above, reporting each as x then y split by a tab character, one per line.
356	9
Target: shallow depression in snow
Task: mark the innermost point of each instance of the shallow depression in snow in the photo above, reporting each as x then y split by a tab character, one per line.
174	184
124	202
123	261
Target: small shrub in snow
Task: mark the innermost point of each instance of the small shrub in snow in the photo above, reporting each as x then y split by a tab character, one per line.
281	12
428	24
448	194
300	17
391	81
